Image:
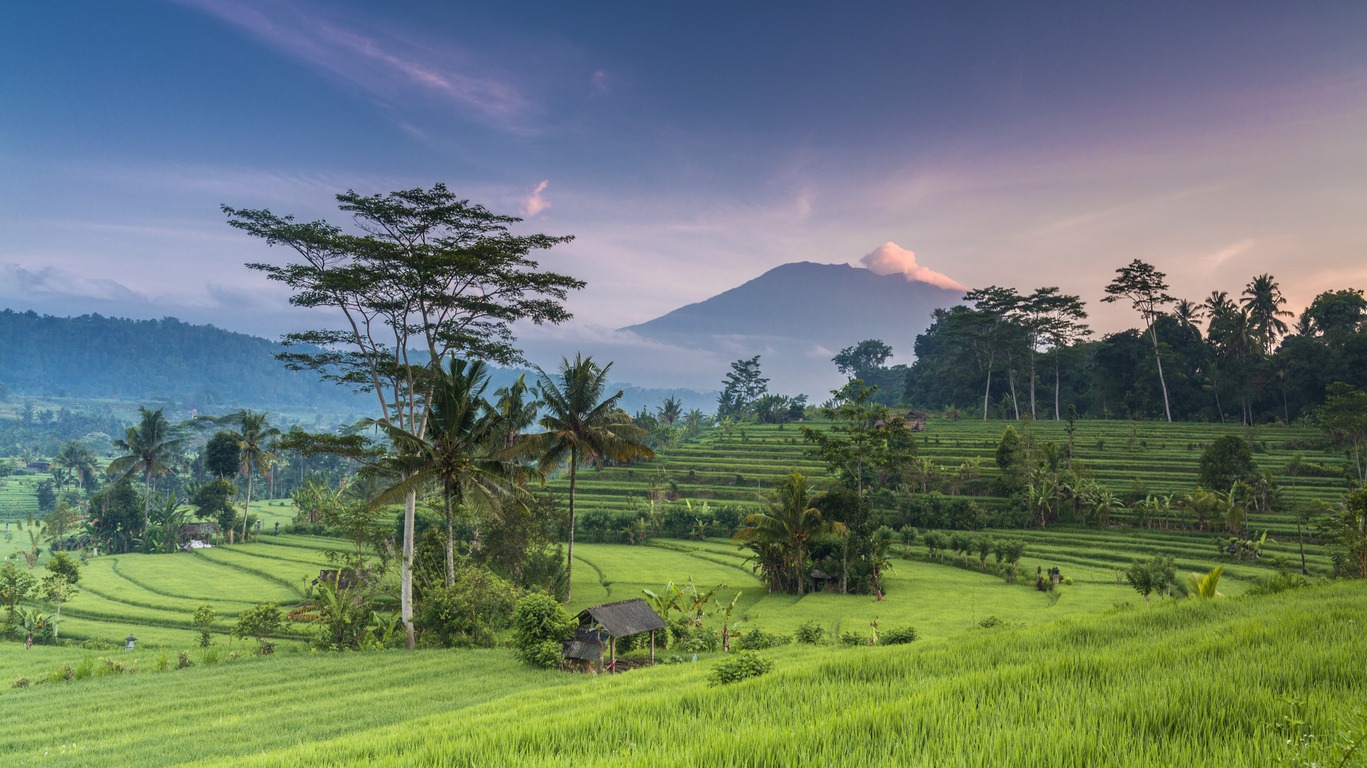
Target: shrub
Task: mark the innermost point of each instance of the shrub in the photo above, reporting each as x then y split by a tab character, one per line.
259	621
899	636
990	622
204	619
467	613
61	674
20	682
113	666
540	622
740	666
758	640
810	633
183	660
853	638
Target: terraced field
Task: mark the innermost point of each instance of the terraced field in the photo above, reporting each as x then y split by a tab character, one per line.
1158	457
154	596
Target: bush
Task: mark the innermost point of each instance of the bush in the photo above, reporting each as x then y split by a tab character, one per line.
740	666
469	612
899	636
259	621
854	638
810	633
20	682
758	640
540	622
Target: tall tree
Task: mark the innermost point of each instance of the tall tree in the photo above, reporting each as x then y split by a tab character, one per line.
1060	318
149	449
1147	291
80	461
254	437
1264	303
741	388
996	332
582	427
428	272
462	453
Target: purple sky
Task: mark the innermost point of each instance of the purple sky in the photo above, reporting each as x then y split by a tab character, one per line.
688	148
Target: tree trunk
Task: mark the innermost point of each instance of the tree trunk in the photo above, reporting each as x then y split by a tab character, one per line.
1033	415
248	508
1163	382
410	505
569	554
450	545
1015	401
1057	365
987	393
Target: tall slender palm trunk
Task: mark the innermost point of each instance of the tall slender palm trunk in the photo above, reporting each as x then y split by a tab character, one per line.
569	555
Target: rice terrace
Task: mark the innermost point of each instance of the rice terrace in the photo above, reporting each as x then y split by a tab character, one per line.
746	385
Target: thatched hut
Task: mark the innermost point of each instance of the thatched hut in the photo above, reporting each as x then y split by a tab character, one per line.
611	621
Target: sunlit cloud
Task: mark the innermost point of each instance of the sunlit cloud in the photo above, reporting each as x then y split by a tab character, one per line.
535	203
892	259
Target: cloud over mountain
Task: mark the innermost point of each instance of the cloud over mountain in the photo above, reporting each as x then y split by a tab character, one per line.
892	259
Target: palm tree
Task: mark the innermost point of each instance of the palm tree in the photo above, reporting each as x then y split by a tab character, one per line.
671	410
781	532
583	428
462	452
1263	301
1187	313
150	448
79	461
253	440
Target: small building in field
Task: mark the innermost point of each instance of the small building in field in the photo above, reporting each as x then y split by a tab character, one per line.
198	535
611	621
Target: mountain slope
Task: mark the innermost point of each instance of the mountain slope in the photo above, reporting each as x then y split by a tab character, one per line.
797	316
827	303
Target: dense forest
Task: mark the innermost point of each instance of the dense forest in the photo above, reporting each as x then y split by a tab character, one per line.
200	366
1242	359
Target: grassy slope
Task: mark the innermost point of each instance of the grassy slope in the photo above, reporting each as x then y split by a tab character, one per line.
1178	684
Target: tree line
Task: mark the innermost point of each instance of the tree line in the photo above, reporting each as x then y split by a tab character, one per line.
1244	359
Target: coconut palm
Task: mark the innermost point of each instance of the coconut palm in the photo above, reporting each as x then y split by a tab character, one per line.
253	440
150	449
780	533
1263	301
79	461
462	452
582	427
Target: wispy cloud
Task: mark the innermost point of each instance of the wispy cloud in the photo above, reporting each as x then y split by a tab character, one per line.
1219	257
20	282
384	64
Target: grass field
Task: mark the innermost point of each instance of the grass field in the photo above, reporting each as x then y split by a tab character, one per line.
1234	682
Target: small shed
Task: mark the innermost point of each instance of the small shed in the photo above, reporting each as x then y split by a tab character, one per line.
621	619
198	535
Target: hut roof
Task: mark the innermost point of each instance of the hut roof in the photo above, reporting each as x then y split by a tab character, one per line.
624	618
584	647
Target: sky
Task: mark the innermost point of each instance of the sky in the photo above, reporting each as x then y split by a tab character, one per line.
687	148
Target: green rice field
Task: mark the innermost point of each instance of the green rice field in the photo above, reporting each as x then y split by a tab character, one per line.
1003	674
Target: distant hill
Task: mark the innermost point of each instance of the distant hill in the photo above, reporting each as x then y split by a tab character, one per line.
796	316
197	366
